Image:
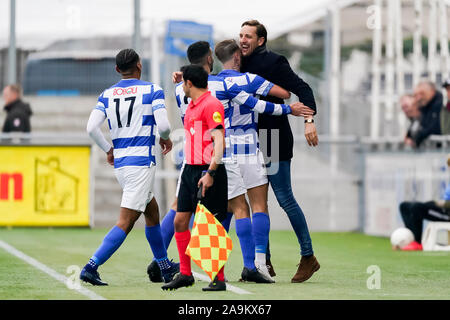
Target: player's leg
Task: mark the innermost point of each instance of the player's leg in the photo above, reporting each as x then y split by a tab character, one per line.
226	221
167	228
421	211
436	213
261	226
153	234
185	206
238	206
255	179
182	238
134	200
112	241
281	185
167	231
406	213
240	209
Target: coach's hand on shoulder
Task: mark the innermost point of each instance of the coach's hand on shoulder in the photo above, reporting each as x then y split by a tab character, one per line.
300	110
110	156
166	145
177	77
311	134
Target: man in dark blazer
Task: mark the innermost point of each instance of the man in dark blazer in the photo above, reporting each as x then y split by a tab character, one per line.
430	102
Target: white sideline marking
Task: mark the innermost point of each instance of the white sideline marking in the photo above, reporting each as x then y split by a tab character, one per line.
52	273
229	287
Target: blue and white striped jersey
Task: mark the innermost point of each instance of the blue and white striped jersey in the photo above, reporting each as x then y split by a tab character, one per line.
129	106
228	93
243	120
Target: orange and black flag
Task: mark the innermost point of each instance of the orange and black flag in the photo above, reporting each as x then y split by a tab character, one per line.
210	245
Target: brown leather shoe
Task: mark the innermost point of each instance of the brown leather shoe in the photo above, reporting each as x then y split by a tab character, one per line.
270	268
306	268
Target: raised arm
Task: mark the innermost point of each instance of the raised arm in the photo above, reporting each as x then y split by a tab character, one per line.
259	85
279	92
234	93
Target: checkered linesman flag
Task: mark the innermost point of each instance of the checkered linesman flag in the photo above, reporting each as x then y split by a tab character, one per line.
210	246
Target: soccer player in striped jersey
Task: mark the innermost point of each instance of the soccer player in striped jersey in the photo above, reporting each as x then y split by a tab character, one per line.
201	54
132	108
244	145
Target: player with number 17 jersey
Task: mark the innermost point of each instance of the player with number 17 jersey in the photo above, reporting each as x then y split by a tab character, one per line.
133	109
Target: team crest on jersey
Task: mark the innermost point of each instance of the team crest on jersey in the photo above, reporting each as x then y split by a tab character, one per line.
217	117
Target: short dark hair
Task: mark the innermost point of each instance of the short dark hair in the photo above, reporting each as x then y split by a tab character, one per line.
260	28
225	49
126	60
196	74
198	51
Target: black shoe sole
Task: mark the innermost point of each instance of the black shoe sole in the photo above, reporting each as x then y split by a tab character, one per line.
215	288
208	289
185	284
93	282
257	279
173	289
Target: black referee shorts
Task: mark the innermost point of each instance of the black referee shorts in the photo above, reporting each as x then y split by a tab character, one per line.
216	197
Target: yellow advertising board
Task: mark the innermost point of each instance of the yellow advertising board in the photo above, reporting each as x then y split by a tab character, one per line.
44	185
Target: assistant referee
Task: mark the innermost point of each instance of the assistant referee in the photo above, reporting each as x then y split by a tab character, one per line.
205	132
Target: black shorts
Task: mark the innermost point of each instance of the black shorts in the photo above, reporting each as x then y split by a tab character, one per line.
216	197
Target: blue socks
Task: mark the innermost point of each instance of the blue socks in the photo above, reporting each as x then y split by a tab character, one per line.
110	244
227	221
244	233
167	228
261	228
154	238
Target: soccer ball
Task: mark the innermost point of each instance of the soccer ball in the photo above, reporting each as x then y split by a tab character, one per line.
401	237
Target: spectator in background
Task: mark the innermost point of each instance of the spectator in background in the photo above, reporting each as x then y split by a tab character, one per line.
411	111
413	214
18	113
445	112
429	101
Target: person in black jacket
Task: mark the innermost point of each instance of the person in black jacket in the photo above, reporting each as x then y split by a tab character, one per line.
18	112
430	102
276	69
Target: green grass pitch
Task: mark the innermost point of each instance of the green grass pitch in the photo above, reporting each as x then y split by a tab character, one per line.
344	259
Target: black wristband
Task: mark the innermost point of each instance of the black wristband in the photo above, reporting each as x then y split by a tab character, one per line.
212	173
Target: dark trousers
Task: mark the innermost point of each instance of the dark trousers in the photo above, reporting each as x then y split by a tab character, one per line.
413	214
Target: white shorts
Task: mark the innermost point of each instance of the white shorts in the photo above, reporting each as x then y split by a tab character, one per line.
236	185
137	185
253	170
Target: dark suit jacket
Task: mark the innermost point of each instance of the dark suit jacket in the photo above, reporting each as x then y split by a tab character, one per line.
429	119
275	68
18	117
